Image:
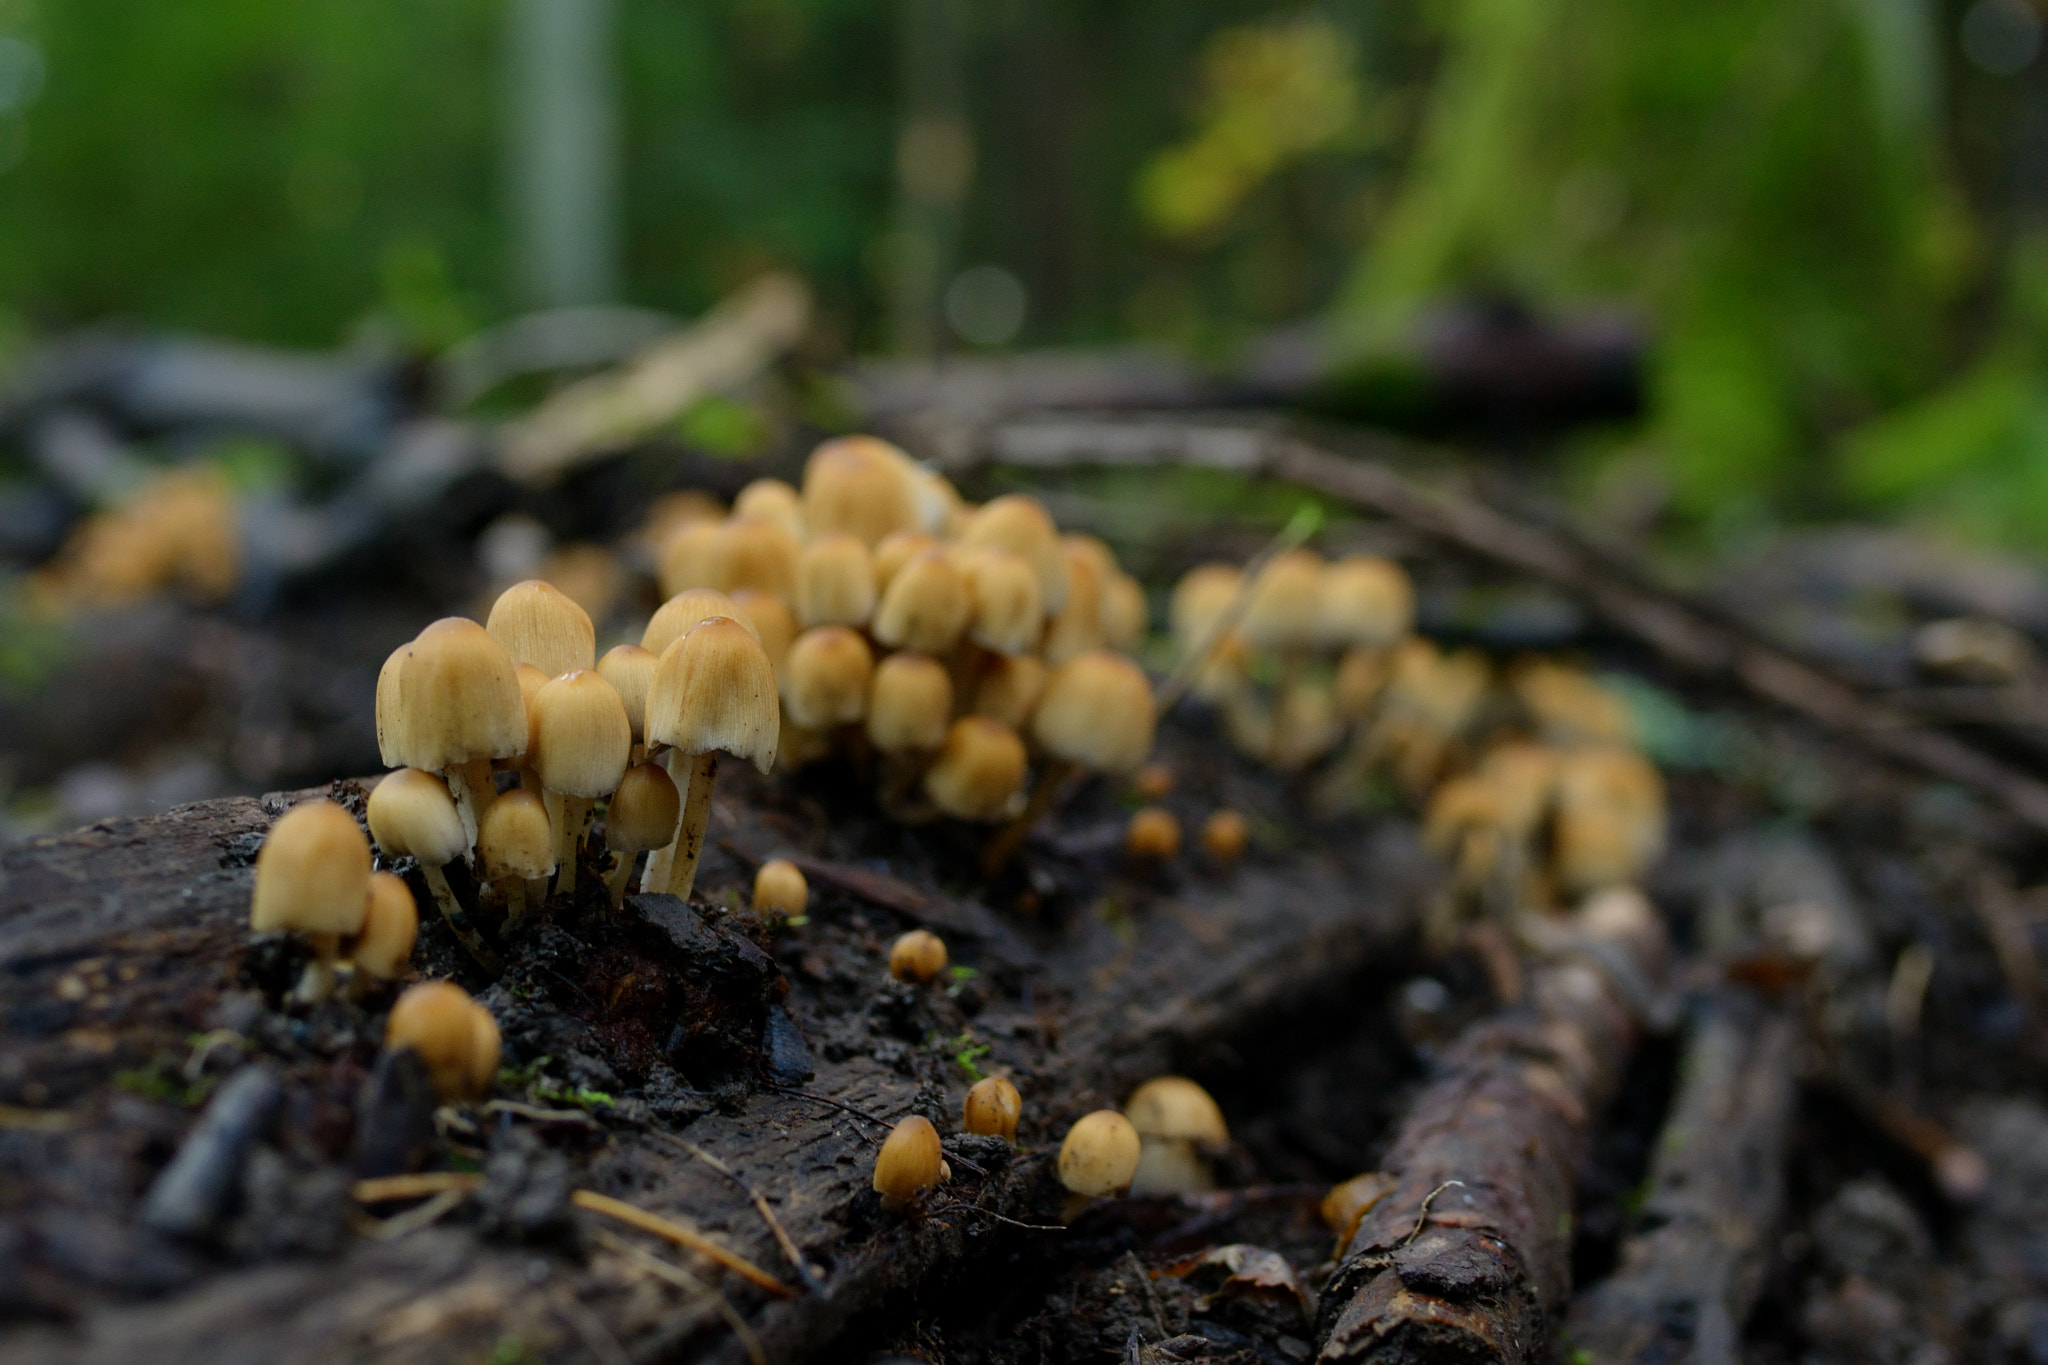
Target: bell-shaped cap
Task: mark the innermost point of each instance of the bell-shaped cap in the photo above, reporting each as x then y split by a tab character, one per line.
979	772
835	582
515	837
859	485
439	1022
538	624
312	873
896	551
755	552
644	810
908	704
774	623
825	678
688	557
1009	606
390	743
1285	606
772	500
412	814
1076	627
391	921
909	1163
1007	688
1367	601
1199	600
582	737
680	614
1097	712
992	1108
714	689
926	606
458	698
780	889
630	670
1100	1155
1018	523
1176	1107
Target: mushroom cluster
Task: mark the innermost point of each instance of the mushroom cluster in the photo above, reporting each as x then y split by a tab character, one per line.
313	879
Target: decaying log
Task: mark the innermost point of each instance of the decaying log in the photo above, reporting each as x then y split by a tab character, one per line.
1469	1257
120	944
1691	1270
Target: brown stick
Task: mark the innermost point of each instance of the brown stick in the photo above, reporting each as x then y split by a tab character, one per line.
682	1236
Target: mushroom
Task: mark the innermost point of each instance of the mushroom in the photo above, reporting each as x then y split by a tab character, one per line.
313	878
908	704
714	690
926	605
1176	1119
1007	688
1096	713
517	848
1304	727
1009	606
531	681
773	622
910	1163
1018	523
685	560
896	551
979	771
859	485
917	957
992	1109
391	924
1224	836
1100	1155
1365	602
1610	818
1201	601
1124	611
582	740
538	624
1283	612
1570	707
772	500
1077	626
1153	782
682	612
642	816
1153	835
835	582
412	815
454	1036
824	681
390	744
460	707
754	552
780	889
630	670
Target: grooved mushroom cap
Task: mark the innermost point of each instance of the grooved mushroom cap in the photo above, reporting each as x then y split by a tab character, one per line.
538	624
531	681
1100	1155
714	689
1125	613
391	922
411	813
1096	711
774	623
644	810
1009	610
1017	523
859	485
1077	626
1366	600
312	873
630	671
1284	610
835	582
1201	597
979	772
515	837
926	605
754	552
908	704
686	609
582	736
892	554
458	698
825	679
772	500
780	888
454	1036
909	1162
992	1108
1008	689
390	744
917	956
688	558
1175	1107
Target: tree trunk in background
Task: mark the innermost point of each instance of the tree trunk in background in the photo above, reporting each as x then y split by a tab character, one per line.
563	134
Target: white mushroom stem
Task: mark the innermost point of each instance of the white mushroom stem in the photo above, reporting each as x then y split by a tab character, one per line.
570	816
458	922
474	789
515	898
318	982
689	843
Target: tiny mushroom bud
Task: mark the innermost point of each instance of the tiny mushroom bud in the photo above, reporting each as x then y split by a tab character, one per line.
979	771
774	623
687	610
390	925
917	957
859	485
538	624
1100	1155
926	606
1009	606
455	1038
825	680
1224	836
753	552
835	582
460	707
643	815
630	671
1153	835
780	889
313	878
714	690
909	1164
582	740
772	500
992	1109
517	848
1177	1119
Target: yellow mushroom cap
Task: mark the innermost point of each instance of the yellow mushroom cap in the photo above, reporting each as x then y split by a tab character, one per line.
1100	1155
780	888
1442	691
1224	836
1077	626
686	559
458	698
1096	711
992	1108
896	551
312	873
826	677
531	681
1365	600
391	921
644	810
485	1045
926	606
1124	611
411	813
908	704
774	623
1008	688
1523	777
979	771
539	624
630	671
1009	606
1199	600
390	745
1570	707
918	956
714	689
859	485
755	552
909	1163
1153	835
582	736
438	1020
1610	817
1018	523
835	582
685	611
772	500
1283	611
515	838
1176	1107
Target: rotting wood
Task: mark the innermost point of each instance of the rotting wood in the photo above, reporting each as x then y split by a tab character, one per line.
1691	1271
1469	1258
1686	633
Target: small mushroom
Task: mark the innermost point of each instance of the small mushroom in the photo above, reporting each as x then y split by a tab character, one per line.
1076	627
926	605
825	679
894	552
1153	782
1609	825
1018	523
910	1163
454	1036
1096	712
1365	602
714	690
1126	615
643	815
684	561
780	889
539	624
531	681
992	1108
687	610
582	740
1177	1119
1008	603
391	924
979	771
908	704
1100	1155
772	500
1153	835
835	582
412	815
1283	613
1007	688
757	553
861	486
313	878
517	849
1224	836
774	623
460	708
917	957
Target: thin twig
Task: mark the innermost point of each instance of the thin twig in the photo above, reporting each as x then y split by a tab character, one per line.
419	1216
1423	1217
1304	523
964	1207
681	1235
782	1237
820	1099
379	1189
689	1283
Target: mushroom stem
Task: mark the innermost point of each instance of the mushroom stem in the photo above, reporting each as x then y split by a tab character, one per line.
474	789
1004	846
682	873
573	819
318	982
536	891
458	919
620	876
515	898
